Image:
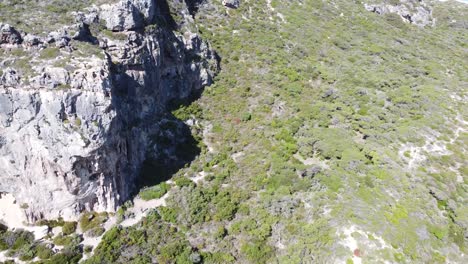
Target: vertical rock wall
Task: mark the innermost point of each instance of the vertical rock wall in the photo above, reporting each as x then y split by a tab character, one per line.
75	138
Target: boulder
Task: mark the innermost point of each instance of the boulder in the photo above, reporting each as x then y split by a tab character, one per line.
83	33
231	3
9	35
9	78
147	8
52	77
311	172
31	40
122	16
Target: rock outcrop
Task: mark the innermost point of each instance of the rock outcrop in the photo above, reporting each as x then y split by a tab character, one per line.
9	35
75	137
411	11
231	3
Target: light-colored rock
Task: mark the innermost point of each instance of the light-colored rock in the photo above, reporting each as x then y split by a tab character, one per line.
39	231
147	8
56	230
231	3
75	138
11	213
31	40
9	77
412	11
51	77
122	16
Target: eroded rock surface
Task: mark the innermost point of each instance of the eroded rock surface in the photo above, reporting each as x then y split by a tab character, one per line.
74	135
412	11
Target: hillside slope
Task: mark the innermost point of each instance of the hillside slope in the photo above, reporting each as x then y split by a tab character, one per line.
333	133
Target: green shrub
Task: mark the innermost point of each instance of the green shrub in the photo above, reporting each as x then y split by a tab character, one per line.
168	214
438	232
51	223
246	117
49	53
43	251
67	240
154	192
217	258
18	239
88	249
90	220
184	113
69	228
27	253
69	255
176	252
258	252
78	122
184	181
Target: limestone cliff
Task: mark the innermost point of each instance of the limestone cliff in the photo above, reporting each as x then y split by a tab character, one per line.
80	106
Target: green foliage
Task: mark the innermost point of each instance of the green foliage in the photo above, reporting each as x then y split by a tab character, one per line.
88	249
184	113
438	231
183	181
257	252
27	253
90	220
95	232
175	252
69	228
43	251
344	96
456	234
17	239
67	240
49	53
217	258
77	122
246	117
226	206
396	214
168	214
51	223
154	192
69	255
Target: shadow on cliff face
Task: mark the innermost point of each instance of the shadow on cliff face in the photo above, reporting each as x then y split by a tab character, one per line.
151	144
192	6
173	147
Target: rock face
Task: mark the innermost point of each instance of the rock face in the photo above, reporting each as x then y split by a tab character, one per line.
75	138
231	3
412	11
122	16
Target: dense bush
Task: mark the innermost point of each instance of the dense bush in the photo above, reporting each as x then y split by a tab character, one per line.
90	220
154	192
44	251
69	228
